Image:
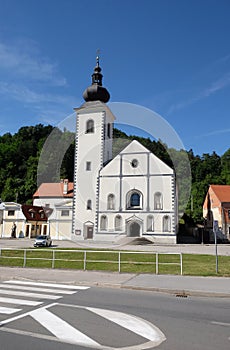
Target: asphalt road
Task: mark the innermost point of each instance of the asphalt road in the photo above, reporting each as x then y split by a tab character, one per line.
69	317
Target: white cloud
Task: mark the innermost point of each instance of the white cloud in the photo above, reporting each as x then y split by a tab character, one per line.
24	94
216	132
214	87
21	60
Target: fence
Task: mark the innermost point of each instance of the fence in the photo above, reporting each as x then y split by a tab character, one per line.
120	261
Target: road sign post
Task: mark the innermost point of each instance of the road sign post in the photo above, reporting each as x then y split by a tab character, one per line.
215	230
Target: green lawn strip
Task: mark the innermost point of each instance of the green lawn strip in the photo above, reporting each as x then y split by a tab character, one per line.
133	262
205	265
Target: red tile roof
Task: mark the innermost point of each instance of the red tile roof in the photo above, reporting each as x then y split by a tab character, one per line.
35	213
54	190
222	192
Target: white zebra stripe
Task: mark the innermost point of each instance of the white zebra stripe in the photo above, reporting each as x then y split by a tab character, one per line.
43	284
19	301
8	310
45	290
30	295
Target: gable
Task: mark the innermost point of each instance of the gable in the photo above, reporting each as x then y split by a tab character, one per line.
135	159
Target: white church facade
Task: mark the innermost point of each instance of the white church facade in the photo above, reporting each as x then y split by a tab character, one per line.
132	195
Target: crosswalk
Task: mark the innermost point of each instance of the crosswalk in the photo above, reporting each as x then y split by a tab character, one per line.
52	319
18	294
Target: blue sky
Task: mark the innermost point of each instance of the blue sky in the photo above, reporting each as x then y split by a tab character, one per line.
172	57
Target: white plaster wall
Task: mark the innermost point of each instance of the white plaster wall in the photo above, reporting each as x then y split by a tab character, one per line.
41	202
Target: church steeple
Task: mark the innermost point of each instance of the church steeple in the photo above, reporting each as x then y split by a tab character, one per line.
96	92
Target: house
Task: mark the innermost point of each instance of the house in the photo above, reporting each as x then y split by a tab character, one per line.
36	218
21	220
58	198
216	207
11	214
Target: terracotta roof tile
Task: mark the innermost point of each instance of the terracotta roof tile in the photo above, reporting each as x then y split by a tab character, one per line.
53	190
222	192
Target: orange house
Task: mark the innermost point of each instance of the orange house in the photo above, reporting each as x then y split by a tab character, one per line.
217	207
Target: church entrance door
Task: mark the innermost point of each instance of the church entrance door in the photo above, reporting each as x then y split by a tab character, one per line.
89	232
134	230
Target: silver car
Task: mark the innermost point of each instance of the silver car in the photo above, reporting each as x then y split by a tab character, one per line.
43	241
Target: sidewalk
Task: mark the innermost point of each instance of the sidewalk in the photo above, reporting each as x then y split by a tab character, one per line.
177	285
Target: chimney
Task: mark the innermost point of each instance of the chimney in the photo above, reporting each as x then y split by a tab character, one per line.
65	186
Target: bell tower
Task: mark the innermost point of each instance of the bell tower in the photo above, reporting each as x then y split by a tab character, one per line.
94	139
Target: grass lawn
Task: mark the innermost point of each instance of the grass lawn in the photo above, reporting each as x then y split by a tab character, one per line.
193	264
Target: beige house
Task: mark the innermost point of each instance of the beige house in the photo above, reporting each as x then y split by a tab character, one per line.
11	214
18	221
58	198
216	208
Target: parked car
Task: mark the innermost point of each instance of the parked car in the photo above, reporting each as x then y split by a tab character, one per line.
43	241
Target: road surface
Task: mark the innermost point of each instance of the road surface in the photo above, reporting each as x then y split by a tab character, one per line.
44	315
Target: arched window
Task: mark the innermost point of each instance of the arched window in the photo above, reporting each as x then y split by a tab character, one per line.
134	199
158	202
118	223
150	223
89	204
89	126
111	202
103	223
166	224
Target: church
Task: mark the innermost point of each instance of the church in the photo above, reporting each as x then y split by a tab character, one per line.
133	194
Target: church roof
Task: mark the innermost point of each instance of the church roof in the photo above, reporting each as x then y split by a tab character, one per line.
96	92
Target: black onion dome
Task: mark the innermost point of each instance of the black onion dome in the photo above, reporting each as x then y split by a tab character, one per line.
96	92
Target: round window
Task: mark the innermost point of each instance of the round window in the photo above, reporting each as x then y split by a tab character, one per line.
134	163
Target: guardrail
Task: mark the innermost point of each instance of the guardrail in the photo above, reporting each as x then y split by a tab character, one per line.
88	258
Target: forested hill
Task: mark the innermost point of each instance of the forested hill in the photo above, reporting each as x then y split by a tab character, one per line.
19	156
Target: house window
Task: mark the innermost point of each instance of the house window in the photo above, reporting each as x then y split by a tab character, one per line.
166	224
150	223
103	223
32	215
88	166
134	199
89	204
158	204
111	202
65	212
11	212
118	223
89	126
